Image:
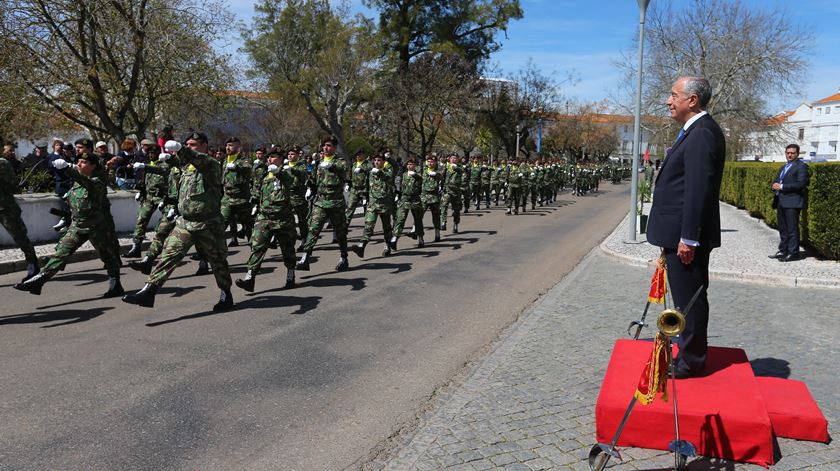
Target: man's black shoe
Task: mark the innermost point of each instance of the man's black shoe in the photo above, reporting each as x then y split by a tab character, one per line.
790	257
680	373
145	297
225	302
777	255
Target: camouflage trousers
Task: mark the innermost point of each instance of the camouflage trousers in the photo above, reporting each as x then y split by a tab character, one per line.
234	213
486	189
209	242
433	208
302	214
497	189
416	210
355	201
447	200
373	213
144	215
475	193
320	215
264	230
73	239
162	230
515	198
11	220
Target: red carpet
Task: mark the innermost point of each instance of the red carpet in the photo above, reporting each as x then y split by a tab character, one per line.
722	414
792	410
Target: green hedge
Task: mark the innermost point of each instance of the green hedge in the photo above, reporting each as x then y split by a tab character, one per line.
746	185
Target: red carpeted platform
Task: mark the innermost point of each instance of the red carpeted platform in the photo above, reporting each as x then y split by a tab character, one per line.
792	410
723	413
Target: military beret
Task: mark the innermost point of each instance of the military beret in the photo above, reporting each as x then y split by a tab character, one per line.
195	135
232	139
90	157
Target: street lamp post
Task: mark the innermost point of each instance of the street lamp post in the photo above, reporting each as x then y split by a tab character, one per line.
517	142
637	124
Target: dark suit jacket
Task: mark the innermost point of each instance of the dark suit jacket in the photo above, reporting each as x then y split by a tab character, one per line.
794	183
685	199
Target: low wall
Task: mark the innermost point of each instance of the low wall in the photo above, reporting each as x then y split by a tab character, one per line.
39	221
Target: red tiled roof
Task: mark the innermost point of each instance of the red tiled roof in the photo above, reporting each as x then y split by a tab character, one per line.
779	118
829	99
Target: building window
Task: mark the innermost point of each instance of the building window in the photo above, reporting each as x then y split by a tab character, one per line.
836	109
626	129
832	145
801	134
815	145
827	110
819	111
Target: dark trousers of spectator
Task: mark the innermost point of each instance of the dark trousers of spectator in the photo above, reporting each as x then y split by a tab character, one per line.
684	281
788	221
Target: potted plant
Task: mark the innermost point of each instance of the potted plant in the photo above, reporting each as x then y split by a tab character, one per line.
643	190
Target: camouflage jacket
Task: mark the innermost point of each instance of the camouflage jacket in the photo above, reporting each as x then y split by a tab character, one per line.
157	183
412	186
237	180
431	186
381	185
329	182
486	174
466	174
258	171
200	191
298	186
169	173
8	184
454	176
88	202
359	178
275	201
515	177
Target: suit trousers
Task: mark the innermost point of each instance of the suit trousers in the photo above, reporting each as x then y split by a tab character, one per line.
788	221
684	281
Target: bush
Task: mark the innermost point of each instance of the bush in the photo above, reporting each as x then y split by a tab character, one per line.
746	185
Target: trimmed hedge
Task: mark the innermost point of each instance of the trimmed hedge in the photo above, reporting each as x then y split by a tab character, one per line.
746	185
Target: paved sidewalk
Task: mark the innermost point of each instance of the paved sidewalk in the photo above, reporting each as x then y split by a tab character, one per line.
745	244
530	403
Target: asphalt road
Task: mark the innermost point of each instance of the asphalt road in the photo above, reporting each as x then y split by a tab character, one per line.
312	378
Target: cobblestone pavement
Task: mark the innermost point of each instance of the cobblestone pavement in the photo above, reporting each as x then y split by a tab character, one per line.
530	403
745	244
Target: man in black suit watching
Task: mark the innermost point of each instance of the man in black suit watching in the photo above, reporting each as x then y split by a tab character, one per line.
789	199
685	216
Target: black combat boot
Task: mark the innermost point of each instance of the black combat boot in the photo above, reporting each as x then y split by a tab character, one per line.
203	268
115	288
31	270
393	242
145	297
303	263
359	249
225	302
135	250
247	282
387	250
342	263
420	242
290	278
34	284
144	265
437	235
455	228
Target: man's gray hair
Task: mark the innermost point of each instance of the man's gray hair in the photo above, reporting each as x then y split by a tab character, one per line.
701	87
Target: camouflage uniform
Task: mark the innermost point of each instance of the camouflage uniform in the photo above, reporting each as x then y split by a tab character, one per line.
358	187
236	207
410	201
298	196
329	204
452	194
164	227
200	220
87	200
486	178
496	181
275	218
10	212
431	195
514	195
156	186
381	204
258	171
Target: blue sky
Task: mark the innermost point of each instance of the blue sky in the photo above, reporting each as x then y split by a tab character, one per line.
587	36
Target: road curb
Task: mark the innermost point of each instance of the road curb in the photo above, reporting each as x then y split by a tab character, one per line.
731	275
82	255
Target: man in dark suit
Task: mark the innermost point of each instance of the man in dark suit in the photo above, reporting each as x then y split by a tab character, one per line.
789	199
685	216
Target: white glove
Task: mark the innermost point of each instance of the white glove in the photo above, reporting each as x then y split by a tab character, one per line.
257	161
163	157
231	166
325	164
364	202
273	169
396	198
520	174
410	173
346	187
374	170
60	164
254	210
138	165
138	197
533	174
285	161
308	193
357	170
172	147
286	167
171	214
161	205
432	173
454	165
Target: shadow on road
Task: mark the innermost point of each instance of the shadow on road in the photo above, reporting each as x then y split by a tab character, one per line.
774	367
355	284
62	317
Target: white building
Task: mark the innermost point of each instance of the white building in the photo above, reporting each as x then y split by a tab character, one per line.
815	127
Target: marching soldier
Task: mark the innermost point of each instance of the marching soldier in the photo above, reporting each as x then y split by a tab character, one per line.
466	179
432	187
475	182
380	206
297	168
258	169
275	218
88	222
452	193
358	185
236	208
514	188
150	197
410	201
168	169
10	216
199	222
329	205
486	182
